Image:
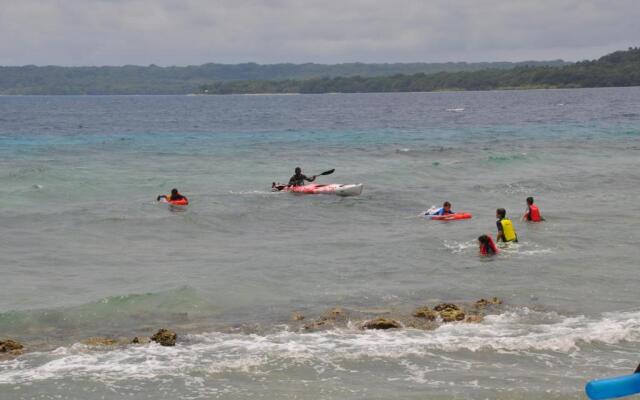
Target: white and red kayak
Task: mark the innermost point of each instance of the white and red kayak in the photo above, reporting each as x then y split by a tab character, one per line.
315	188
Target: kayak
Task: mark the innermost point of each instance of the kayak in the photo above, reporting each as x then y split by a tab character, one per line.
449	217
332	188
611	388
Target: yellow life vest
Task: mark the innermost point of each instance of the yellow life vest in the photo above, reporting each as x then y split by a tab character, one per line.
508	231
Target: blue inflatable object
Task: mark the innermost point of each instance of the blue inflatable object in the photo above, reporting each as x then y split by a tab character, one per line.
612	388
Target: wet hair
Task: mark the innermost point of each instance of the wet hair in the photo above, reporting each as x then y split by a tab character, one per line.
298	170
174	191
501	212
484	239
529	200
446	204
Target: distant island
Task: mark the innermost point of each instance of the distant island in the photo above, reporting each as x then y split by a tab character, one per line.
153	79
621	68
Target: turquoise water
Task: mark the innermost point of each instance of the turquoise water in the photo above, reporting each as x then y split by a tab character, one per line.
86	251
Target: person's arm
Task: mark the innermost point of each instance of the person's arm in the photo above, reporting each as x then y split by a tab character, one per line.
313	178
525	217
292	181
500	234
161	196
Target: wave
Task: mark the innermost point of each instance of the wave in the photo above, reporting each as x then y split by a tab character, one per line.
521	331
111	315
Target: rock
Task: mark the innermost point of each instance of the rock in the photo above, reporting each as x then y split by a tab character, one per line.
483	303
445	306
451	315
328	319
140	340
474	319
100	341
425	312
297	317
382	323
165	337
10	346
315	325
449	312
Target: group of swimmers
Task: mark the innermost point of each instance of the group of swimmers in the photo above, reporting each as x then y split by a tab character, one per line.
506	231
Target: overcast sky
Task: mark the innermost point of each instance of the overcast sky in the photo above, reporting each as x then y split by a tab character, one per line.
183	32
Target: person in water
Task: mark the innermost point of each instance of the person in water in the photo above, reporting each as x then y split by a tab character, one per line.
506	232
298	178
533	212
487	247
174	196
444	210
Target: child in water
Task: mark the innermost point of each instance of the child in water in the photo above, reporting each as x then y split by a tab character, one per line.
487	247
533	212
506	232
444	210
174	196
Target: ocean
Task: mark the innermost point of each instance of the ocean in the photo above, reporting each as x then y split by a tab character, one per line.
86	251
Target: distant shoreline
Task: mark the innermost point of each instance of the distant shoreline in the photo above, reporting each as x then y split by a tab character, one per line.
618	69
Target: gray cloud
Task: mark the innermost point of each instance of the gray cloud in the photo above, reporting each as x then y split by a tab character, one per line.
180	32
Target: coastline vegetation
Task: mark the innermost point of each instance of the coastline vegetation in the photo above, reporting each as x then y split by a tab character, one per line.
619	69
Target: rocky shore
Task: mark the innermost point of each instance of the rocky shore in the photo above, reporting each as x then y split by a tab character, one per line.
424	317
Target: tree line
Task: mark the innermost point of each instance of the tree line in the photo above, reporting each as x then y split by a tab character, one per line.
621	68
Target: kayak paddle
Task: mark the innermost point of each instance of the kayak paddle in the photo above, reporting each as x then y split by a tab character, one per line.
329	172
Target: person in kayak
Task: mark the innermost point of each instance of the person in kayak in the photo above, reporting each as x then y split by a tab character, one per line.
533	212
487	247
444	210
174	196
298	178
506	232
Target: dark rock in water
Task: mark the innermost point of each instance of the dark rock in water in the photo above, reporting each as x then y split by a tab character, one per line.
451	315
425	312
382	323
165	337
10	346
297	317
484	303
328	319
449	312
445	306
140	340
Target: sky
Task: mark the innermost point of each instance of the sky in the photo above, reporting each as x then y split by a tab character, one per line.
192	32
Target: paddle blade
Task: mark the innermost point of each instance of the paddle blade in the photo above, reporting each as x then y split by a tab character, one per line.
329	172
612	388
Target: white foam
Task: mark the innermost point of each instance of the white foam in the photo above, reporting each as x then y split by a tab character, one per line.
455	109
522	331
459	247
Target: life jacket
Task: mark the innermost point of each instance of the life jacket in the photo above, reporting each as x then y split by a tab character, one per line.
508	231
484	250
534	214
